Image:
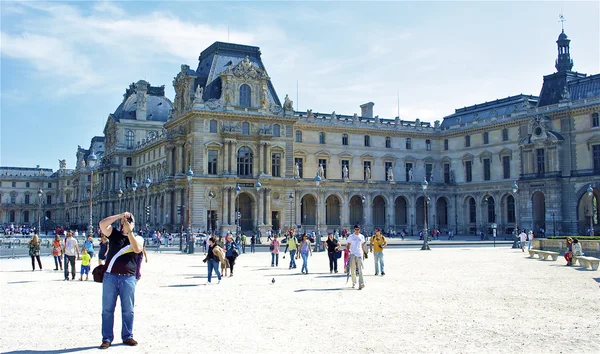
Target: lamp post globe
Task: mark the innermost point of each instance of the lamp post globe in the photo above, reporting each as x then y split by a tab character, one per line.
211	195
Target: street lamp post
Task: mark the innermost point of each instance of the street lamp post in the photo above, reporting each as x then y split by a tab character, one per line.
425	246
515	190
553	225
318	236
238	189
211	195
91	163
494	227
189	175
147	183
120	194
134	188
40	193
590	192
258	187
291	197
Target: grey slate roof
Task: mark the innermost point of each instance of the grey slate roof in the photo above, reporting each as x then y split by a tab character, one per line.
157	105
585	87
504	106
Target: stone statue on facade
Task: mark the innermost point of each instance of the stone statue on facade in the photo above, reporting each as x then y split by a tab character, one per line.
297	171
198	95
390	174
62	164
368	173
565	95
333	115
309	113
355	117
226	92
321	171
411	176
345	173
264	100
288	104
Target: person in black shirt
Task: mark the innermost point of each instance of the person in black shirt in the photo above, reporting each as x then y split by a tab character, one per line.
119	278
332	245
213	259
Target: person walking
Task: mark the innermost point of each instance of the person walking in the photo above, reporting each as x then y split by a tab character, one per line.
523	239
71	248
89	246
231	253
243	243
57	253
274	246
292	245
253	244
305	249
119	278
332	246
529	239
357	242
378	243
212	259
85	264
34	251
103	250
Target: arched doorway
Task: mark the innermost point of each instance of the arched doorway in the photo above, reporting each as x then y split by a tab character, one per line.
538	210
308	209
588	212
490	211
401	212
11	216
333	217
245	206
441	214
508	214
356	210
379	215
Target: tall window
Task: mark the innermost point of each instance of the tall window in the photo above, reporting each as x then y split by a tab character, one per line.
388	165
510	209
129	137
346	163
246	128
11	216
388	142
213	156
244	167
486	138
367	140
486	170
596	157
298	161
26	216
213	126
276	165
467	141
407	167
14	184
428	169
446	173
276	130
491	210
595	120
298	136
505	134
365	165
408	144
128	161
472	211
428	145
469	171
26	198
48	199
540	161
446	144
27	184
506	166
321	138
245	94
345	139
13	199
323	162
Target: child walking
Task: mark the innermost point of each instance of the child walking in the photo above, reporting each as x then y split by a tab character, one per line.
85	264
346	258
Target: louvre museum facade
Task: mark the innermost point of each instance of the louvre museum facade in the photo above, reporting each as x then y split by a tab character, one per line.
256	160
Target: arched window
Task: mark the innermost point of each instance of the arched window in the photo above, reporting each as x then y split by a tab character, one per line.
276	131
321	138
245	93
472	211
388	142
213	126
367	140
129	137
298	136
244	167
345	139
26	216
246	128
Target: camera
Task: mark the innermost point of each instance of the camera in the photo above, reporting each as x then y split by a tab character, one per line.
130	219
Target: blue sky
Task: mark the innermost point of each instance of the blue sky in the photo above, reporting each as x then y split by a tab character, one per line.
65	65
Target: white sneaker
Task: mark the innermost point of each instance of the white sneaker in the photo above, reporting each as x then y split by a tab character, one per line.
207	283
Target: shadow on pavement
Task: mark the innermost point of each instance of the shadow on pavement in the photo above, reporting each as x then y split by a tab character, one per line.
56	351
329	289
333	276
180	286
282	275
597	280
20	282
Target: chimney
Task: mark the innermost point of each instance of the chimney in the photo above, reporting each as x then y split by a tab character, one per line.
366	110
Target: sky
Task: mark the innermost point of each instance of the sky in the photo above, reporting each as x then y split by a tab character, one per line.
64	66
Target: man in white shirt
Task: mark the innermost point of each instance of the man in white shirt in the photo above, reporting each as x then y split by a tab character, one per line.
71	247
356	243
523	239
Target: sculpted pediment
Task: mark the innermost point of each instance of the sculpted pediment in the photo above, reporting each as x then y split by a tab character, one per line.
246	70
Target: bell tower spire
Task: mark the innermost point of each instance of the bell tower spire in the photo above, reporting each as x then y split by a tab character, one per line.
563	62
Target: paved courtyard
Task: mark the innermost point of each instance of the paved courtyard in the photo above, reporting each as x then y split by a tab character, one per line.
446	300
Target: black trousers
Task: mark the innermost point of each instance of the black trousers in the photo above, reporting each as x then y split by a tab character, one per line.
332	261
69	260
33	262
231	263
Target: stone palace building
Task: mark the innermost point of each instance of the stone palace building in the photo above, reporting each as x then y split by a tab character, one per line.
255	159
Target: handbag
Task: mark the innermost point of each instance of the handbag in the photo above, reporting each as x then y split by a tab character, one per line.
235	252
271	248
337	254
98	273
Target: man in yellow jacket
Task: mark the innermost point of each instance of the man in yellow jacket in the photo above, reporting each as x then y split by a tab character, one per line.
378	243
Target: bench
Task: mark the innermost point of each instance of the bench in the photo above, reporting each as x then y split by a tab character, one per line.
543	254
586	262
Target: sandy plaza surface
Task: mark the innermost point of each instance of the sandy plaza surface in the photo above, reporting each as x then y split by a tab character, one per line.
450	300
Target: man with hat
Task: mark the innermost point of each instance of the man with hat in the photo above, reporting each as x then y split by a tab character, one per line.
378	242
356	242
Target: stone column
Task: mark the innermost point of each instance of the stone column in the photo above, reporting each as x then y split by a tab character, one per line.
259	160
268	207
233	158
225	158
268	160
225	207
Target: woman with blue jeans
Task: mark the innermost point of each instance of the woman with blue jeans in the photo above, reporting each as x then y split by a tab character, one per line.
212	260
305	249
275	251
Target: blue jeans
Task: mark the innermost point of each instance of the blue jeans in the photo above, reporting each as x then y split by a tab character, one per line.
275	259
378	256
304	261
213	264
122	286
252	248
292	258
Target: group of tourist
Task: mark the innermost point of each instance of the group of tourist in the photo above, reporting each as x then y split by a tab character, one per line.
573	250
224	253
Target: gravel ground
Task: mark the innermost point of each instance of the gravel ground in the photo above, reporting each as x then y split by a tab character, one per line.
457	300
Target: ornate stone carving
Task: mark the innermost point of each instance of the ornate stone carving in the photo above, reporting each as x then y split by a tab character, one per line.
214	104
345	173
246	70
275	109
288	104
264	97
565	95
62	164
226	89
231	127
333	115
309	113
355	117
198	95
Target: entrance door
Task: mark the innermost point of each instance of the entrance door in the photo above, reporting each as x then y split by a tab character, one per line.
275	220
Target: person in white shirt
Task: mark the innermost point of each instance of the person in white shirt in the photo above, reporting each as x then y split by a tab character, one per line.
71	248
529	239
356	242
523	239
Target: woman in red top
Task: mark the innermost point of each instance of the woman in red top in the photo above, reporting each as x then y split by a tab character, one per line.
57	253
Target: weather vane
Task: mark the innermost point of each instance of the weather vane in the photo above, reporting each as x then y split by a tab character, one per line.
562	20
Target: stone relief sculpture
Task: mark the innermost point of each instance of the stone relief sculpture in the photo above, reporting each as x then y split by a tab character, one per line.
297	171
368	173
390	174
309	113
321	171
198	95
565	95
288	104
264	100
345	173
227	91
275	108
411	176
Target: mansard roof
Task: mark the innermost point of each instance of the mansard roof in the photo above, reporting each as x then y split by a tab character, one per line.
157	105
585	87
217	58
499	107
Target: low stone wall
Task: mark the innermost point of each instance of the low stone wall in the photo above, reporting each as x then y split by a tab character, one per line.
589	247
